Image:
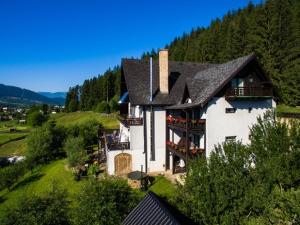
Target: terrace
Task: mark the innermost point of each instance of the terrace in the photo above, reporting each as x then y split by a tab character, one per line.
183	150
130	121
248	92
113	142
193	125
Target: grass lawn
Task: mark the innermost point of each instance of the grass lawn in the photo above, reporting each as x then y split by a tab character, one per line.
287	109
163	187
67	119
6	137
5	125
14	148
40	182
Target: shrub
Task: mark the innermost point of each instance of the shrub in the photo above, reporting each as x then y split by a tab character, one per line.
51	208
103	107
36	119
10	174
104	202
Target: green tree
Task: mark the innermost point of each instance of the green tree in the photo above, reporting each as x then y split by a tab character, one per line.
106	202
254	184
113	104
50	208
36	119
10	174
103	107
215	192
89	132
76	152
44	144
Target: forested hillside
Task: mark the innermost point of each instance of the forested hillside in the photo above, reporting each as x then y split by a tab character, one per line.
271	30
95	93
15	96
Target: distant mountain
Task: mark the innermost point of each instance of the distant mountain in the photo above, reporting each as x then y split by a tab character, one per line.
53	94
12	95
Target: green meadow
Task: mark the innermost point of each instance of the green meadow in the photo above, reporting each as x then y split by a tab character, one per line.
109	121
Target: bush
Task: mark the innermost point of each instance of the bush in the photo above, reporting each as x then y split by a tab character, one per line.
51	208
10	174
36	119
105	202
103	107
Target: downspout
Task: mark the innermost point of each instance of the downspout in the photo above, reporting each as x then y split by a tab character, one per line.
152	151
187	147
152	158
145	119
145	139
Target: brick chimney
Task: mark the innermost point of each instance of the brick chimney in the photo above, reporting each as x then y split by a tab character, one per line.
163	71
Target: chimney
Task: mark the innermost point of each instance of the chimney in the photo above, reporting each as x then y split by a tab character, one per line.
163	71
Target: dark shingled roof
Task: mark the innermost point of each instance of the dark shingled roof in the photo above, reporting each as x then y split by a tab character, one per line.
137	76
153	210
203	81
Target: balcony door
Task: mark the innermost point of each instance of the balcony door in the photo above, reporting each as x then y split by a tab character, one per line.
238	85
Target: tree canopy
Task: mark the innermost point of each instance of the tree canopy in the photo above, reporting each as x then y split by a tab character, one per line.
254	184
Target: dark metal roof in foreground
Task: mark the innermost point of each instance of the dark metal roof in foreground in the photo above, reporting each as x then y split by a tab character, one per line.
153	211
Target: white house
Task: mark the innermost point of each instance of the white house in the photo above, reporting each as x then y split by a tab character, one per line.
174	111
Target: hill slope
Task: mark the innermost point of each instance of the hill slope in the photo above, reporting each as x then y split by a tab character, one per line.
12	95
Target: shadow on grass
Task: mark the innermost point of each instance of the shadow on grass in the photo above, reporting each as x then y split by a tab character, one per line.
2	199
28	180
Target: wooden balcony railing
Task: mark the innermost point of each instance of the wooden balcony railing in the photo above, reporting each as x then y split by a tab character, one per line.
118	146
181	150
197	124
249	92
131	121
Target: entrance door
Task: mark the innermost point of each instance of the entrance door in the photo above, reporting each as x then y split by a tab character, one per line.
122	163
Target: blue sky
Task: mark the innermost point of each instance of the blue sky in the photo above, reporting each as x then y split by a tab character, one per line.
50	45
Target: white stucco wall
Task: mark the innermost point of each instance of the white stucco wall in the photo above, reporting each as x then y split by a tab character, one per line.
136	134
159	139
137	147
124	133
220	124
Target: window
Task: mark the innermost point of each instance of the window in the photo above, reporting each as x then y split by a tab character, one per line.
230	138
230	110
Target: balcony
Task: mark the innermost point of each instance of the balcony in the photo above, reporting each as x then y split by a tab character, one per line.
248	92
113	142
130	121
113	146
196	125
181	150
